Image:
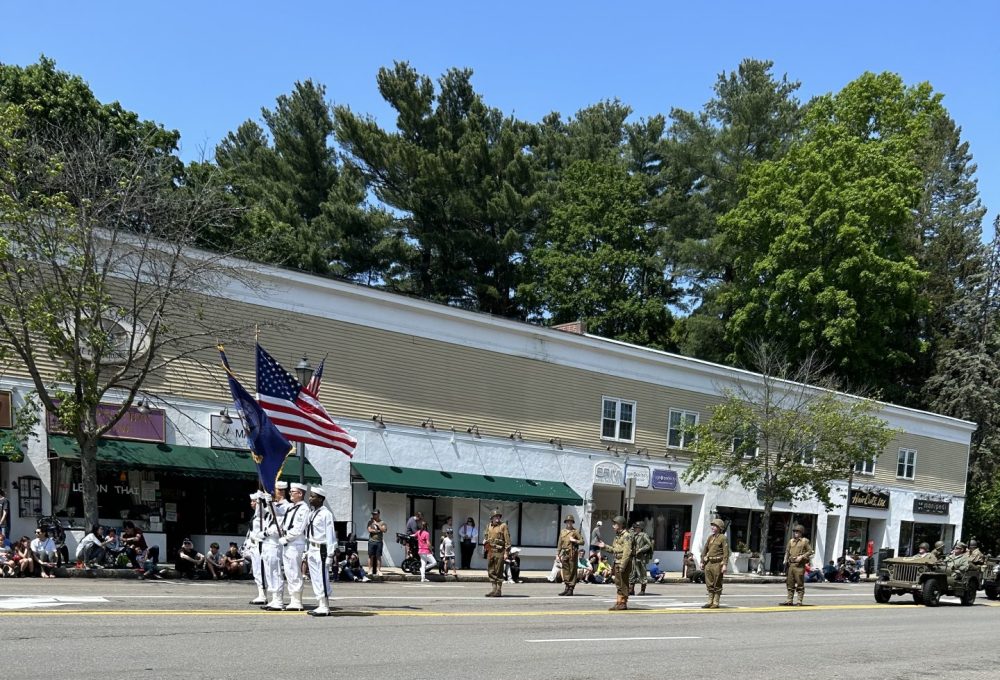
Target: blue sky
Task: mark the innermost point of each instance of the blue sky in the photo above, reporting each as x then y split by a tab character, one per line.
203	68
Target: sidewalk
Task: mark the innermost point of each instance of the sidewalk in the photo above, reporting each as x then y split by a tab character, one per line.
396	574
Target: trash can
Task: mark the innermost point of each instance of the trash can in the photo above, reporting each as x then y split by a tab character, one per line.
884	554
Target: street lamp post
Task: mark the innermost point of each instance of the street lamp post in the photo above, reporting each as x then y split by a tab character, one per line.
847	515
304	372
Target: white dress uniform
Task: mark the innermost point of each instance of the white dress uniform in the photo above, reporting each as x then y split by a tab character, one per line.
270	555
254	542
294	542
322	542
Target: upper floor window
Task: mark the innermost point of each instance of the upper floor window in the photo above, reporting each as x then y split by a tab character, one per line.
865	467
808	455
680	433
746	444
618	420
906	464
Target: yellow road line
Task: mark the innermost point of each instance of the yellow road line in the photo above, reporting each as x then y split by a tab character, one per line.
428	614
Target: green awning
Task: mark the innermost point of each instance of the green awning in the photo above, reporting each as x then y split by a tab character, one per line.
188	461
462	485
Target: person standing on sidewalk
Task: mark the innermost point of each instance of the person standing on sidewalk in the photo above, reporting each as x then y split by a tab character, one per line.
569	543
643	554
468	538
496	545
798	552
714	557
376	543
425	550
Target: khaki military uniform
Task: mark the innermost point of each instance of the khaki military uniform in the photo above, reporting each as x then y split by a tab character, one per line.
623	548
958	562
498	540
976	557
640	566
569	543
798	552
715	555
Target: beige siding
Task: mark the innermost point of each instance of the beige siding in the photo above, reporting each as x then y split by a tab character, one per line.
407	379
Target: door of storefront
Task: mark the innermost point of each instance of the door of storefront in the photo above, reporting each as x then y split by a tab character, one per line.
912	534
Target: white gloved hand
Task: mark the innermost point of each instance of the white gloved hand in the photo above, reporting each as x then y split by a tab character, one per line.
283	540
264	496
329	562
257	536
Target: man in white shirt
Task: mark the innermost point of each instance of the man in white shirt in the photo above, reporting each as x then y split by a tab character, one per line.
322	541
44	549
293	543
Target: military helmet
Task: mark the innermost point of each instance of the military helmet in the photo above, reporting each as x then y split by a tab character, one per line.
496	513
924	546
720	523
570	518
799	528
637	525
620	521
960	545
973	543
938	544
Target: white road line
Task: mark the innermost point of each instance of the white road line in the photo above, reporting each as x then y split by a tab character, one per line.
612	639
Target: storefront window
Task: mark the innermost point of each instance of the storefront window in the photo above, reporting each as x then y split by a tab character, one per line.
510	516
665	524
857	535
540	524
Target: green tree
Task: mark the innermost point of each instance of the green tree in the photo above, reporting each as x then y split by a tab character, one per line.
459	181
100	288
301	207
753	117
785	434
597	259
824	238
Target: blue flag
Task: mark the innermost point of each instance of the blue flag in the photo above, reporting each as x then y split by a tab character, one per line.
268	445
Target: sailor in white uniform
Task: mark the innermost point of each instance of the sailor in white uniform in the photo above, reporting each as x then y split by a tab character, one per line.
293	541
259	519
271	548
322	543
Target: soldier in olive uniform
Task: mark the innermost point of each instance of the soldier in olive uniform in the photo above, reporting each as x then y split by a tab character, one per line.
958	560
570	541
643	554
714	557
497	542
798	552
938	551
923	549
623	548
976	556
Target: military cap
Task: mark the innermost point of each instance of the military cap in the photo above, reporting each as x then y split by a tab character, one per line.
960	545
570	518
318	491
799	528
620	521
496	513
717	522
299	487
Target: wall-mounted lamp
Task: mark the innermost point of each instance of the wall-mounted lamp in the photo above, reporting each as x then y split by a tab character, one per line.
225	417
452	440
516	436
556	442
474	431
143	406
377	419
613	450
122	476
428	424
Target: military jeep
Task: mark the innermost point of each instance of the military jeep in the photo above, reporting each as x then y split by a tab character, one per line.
991	578
926	579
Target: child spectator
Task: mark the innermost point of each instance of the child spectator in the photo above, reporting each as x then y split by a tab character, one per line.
583	568
24	563
189	560
447	553
213	561
233	562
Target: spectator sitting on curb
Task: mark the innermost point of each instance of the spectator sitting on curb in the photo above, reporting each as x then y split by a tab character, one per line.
233	563
583	568
691	570
148	559
43	549
603	573
134	542
24	563
189	560
351	569
657	574
90	552
813	575
6	566
512	566
213	562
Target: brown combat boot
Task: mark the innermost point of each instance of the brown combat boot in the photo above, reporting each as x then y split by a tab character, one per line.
624	604
642	589
565	590
631	589
788	601
616	605
708	605
715	600
801	597
499	590
493	592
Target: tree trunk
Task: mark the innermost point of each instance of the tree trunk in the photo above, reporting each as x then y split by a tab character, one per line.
88	473
765	525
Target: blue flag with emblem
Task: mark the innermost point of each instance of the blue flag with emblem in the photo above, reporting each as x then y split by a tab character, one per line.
269	447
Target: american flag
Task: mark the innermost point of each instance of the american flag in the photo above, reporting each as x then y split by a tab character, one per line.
314	381
295	410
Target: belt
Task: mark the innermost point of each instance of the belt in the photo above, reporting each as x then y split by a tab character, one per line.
714	560
313	541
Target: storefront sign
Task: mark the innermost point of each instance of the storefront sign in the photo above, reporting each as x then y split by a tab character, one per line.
143	427
609	473
930	507
229	435
665	480
639	473
870	499
6	410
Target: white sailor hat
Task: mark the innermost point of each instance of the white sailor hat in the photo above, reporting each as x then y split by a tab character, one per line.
299	487
281	485
318	491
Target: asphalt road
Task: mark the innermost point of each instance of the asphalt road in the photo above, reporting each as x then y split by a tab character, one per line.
106	629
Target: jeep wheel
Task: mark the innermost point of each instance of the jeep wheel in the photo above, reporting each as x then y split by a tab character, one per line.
882	594
969	596
931	593
992	592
